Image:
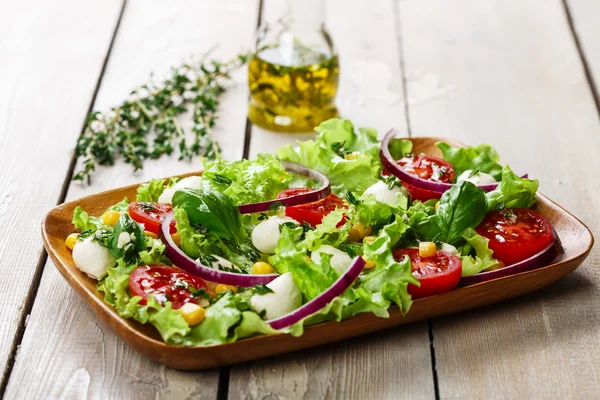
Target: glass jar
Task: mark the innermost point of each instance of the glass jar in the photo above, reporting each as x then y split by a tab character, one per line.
294	73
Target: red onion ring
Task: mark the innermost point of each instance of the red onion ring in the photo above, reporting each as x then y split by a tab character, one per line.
395	169
543	258
183	261
316	304
302	198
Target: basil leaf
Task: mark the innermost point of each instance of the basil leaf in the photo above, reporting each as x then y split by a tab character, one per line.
213	210
130	248
461	207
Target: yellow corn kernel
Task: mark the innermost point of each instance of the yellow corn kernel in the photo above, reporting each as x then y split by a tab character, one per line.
437	205
192	313
223	288
71	240
369	263
358	232
111	218
261	268
369	239
495	266
350	157
427	249
151	234
176	238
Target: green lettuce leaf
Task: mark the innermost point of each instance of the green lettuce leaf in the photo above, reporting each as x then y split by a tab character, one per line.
336	138
389	279
150	191
83	221
513	192
327	232
246	181
461	207
483	258
482	158
373	213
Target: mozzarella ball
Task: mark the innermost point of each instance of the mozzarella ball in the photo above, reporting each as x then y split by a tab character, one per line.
340	260
92	258
480	178
266	234
286	297
448	248
191	182
385	195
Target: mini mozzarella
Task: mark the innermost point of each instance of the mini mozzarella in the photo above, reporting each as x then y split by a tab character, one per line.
285	297
480	178
92	258
223	263
266	234
191	182
385	195
340	261
448	248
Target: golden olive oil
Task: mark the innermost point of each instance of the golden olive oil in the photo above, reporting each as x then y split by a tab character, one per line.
292	92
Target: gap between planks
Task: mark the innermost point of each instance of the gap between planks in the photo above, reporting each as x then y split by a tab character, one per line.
32	293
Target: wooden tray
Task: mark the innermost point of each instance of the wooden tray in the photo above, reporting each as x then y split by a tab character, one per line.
576	240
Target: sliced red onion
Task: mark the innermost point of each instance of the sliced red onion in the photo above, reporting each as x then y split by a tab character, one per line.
541	259
181	260
395	169
319	302
302	198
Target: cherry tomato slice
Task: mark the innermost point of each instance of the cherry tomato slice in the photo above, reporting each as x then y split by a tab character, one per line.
150	214
516	234
437	274
421	194
312	213
165	284
427	167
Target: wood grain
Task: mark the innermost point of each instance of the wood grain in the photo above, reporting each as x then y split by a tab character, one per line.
508	73
371	95
79	355
52	54
583	13
575	237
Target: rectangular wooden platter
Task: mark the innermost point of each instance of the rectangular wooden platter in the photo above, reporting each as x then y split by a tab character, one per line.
575	237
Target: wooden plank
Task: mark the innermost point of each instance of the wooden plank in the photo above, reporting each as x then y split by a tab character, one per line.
79	356
368	367
52	56
583	13
508	73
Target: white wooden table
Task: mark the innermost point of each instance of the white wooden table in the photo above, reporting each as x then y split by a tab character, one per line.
519	74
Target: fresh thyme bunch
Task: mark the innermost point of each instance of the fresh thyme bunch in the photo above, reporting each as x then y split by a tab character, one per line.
124	130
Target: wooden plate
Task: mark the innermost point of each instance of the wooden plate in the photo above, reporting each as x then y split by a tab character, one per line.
576	240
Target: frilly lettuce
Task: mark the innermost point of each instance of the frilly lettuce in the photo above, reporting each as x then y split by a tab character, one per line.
246	181
482	158
355	174
150	191
483	257
513	192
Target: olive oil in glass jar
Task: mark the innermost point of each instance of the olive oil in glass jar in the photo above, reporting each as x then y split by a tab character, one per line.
293	77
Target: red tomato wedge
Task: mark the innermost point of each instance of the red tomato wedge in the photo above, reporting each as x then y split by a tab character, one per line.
150	214
437	274
421	194
165	284
312	213
427	167
516	234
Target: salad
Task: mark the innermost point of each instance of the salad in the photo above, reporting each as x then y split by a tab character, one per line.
330	228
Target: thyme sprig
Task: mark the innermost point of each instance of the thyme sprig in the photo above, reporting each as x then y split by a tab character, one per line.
124	130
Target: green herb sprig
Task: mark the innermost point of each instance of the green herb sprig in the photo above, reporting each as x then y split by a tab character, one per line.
124	130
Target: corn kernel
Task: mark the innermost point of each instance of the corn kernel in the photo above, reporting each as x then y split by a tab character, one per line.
369	239
192	313
495	266
358	232
71	240
111	218
151	234
223	288
437	205
350	156
369	263
427	249
176	238
261	268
